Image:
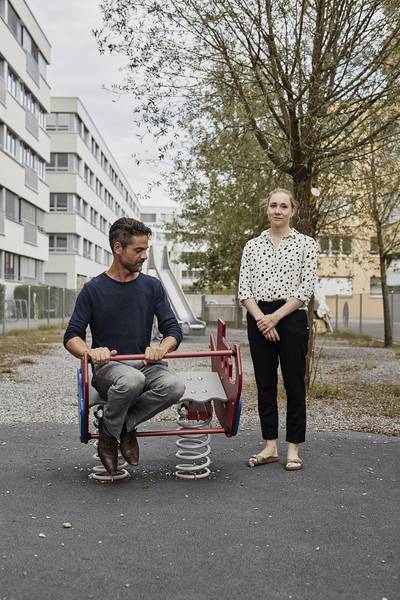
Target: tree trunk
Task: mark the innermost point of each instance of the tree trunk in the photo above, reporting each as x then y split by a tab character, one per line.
238	312
387	323
305	222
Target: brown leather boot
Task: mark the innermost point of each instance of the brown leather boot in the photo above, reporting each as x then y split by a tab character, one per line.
129	446
107	449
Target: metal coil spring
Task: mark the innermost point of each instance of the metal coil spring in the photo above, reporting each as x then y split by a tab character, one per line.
194	448
99	473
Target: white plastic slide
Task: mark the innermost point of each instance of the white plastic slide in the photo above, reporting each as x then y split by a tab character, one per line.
159	265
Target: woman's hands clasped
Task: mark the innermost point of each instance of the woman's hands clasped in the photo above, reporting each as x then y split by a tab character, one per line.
267	326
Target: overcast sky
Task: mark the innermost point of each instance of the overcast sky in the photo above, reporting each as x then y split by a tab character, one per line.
77	69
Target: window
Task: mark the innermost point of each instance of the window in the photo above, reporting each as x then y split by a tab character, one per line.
12	206
13	85
40	218
28	268
148	217
107	258
88	176
65	122
51	122
58	242
63	242
62	122
28	212
335	246
42	66
11	266
87	248
375	286
98	254
63	161
2	8
85	134
14	23
373	249
99	188
13	145
58	202
84	212
93	217
103	224
95	149
58	161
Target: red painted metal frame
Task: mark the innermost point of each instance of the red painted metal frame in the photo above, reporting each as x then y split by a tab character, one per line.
227	412
221	362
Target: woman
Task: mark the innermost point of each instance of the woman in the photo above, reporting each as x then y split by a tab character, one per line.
277	278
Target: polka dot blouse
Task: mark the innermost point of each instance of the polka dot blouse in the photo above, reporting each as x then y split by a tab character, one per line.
289	271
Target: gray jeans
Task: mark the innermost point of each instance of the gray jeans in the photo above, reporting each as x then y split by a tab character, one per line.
135	392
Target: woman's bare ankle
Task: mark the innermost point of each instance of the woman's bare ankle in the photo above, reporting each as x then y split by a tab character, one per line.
270	448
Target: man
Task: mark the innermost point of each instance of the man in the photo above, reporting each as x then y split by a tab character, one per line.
119	306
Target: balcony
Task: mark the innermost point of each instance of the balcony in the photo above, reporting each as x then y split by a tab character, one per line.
32	124
30	233
31	179
32	68
3	91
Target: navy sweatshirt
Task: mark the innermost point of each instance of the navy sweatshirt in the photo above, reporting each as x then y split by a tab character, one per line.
120	315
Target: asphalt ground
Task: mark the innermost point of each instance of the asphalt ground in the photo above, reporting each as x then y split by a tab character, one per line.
330	531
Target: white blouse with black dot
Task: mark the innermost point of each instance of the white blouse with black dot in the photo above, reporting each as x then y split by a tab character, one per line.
289	271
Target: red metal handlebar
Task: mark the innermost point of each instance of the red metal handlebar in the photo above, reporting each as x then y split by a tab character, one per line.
176	355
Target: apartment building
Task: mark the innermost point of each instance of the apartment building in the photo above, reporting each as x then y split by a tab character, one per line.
348	266
157	217
88	192
24	143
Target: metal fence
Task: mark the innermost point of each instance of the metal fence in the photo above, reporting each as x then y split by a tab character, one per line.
359	314
37	305
362	314
32	306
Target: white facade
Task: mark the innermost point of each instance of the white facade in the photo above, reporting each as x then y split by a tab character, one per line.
24	143
156	217
88	192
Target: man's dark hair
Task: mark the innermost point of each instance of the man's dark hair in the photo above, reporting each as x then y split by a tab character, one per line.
123	229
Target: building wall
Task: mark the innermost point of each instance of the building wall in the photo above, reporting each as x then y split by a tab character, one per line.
88	192
24	143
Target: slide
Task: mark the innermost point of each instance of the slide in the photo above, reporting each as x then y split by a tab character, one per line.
159	265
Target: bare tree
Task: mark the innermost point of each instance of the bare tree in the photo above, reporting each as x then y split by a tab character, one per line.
307	73
378	199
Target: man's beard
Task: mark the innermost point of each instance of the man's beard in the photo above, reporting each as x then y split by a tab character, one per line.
132	268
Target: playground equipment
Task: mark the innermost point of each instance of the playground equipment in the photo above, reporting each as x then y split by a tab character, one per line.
159	264
218	390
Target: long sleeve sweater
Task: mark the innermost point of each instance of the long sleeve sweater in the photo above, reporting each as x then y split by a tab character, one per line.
120	315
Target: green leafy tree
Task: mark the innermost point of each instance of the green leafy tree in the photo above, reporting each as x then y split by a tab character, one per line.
306	74
219	188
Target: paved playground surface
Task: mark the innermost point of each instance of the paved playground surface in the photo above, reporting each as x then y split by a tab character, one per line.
328	532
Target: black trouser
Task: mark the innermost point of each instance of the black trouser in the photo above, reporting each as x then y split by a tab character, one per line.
291	352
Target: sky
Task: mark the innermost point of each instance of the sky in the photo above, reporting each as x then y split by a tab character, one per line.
77	69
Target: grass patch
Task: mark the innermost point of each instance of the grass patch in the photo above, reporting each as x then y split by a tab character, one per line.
360	398
26	361
353	339
17	346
